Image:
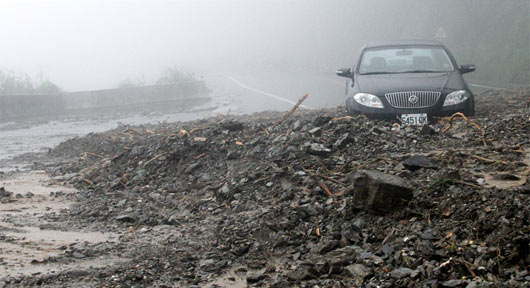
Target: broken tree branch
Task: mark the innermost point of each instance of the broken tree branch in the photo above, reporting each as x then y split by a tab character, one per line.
461	115
300	101
85	155
488	160
470	122
342	118
325	188
156	157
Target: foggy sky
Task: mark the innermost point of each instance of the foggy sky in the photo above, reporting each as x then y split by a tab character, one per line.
93	44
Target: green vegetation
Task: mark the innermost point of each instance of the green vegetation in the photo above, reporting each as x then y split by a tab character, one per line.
131	83
12	83
173	76
168	77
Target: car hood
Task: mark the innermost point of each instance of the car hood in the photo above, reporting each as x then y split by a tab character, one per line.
387	83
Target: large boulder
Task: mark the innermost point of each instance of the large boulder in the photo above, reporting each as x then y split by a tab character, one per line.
380	193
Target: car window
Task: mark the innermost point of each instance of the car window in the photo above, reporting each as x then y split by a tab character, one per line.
405	60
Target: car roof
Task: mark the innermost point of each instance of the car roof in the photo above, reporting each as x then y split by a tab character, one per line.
402	43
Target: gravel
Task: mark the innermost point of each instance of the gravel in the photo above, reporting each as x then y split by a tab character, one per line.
321	200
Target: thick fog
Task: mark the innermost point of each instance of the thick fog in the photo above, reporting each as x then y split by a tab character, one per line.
91	44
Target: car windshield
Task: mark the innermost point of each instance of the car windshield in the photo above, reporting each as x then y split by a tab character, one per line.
390	60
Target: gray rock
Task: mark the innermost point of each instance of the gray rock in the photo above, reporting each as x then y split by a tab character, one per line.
401	273
358	272
137	150
321	120
427	130
428	235
453	283
192	167
343	141
255	150
208	265
296	125
325	245
303	272
387	250
318	149
256	277
380	193
78	255
4	193
232	126
126	219
416	162
224	193
317	131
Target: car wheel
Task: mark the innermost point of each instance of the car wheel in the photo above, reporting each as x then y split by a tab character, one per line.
349	109
470	110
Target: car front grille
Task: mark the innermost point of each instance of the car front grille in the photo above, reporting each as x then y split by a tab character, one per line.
406	99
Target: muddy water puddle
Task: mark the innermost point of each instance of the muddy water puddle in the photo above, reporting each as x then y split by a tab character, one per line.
25	248
507	180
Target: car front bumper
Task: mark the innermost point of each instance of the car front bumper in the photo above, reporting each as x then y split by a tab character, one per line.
389	112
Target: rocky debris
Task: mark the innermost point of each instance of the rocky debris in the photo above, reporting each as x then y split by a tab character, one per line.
329	207
380	193
4	193
358	272
427	130
416	162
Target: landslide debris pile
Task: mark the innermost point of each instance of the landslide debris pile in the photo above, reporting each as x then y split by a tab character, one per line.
321	200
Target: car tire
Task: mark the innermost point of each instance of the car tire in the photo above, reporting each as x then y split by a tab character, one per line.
349	109
470	110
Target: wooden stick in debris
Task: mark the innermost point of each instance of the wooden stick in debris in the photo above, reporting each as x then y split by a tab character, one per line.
342	118
156	157
459	114
88	181
470	122
317	228
300	101
94	154
488	160
332	180
325	188
200	156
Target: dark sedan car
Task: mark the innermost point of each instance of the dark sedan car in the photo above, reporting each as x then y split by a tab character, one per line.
411	80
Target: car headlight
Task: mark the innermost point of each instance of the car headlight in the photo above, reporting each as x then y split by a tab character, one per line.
368	100
456	97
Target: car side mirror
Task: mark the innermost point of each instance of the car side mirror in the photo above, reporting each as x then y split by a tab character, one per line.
344	72
467	68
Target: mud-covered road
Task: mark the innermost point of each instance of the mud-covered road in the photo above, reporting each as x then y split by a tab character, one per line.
236	201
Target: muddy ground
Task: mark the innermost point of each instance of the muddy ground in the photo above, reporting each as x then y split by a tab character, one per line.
319	200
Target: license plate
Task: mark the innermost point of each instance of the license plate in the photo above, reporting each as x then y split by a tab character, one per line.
414	119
